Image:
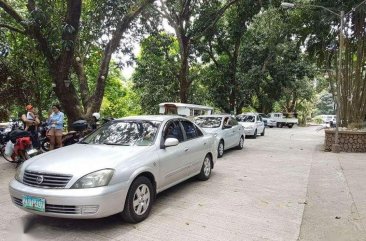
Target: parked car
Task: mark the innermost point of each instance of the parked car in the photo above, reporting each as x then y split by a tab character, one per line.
253	124
119	168
265	118
280	120
228	132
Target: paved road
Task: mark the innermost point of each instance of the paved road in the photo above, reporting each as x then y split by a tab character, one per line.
276	188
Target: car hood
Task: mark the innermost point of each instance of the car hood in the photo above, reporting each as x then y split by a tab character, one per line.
247	124
211	130
83	158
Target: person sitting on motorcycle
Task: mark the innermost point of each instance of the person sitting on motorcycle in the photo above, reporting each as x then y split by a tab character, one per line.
94	121
31	121
56	123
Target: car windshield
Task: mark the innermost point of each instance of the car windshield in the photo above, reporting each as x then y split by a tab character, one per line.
208	122
246	118
125	133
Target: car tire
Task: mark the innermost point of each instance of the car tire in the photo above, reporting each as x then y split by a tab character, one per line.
220	149
206	168
45	145
139	200
241	143
255	134
290	125
270	126
264	129
279	125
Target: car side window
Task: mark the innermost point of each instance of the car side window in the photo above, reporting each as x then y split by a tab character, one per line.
190	129
199	132
233	122
173	130
226	121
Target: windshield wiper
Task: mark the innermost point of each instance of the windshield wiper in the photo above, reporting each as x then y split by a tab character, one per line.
83	142
113	144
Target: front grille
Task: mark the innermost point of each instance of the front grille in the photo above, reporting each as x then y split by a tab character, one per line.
65	209
45	180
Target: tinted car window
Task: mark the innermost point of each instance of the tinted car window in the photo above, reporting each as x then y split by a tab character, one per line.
246	118
173	130
190	129
125	133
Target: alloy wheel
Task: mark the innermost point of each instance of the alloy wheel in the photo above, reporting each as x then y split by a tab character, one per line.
141	199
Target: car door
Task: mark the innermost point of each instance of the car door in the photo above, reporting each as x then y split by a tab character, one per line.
227	133
196	146
236	130
260	124
173	163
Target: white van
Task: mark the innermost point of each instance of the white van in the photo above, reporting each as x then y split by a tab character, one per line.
188	110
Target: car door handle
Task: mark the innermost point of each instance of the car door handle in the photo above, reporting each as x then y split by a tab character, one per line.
186	149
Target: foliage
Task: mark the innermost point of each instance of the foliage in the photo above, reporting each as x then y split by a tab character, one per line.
320	33
325	104
70	41
272	64
220	49
119	99
155	77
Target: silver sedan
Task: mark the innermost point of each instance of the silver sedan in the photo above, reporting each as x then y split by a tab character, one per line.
119	168
227	130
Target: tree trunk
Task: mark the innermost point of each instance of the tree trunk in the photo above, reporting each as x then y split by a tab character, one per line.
184	82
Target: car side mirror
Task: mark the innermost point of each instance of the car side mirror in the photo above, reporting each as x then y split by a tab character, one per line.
171	142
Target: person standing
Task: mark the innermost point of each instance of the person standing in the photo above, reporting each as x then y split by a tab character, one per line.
56	123
31	122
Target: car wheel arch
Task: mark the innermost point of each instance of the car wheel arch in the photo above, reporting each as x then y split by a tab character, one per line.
211	158
146	173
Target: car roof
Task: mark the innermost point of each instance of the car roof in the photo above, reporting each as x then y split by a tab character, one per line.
216	115
249	113
152	117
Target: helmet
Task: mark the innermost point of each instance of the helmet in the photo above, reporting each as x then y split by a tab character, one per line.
29	107
96	115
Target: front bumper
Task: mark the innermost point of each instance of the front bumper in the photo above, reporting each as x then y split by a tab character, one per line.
73	203
249	132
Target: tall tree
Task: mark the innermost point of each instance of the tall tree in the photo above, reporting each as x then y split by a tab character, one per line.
66	34
320	33
156	77
272	64
190	19
220	47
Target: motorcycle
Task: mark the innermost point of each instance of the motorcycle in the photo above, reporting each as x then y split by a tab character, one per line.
16	144
80	130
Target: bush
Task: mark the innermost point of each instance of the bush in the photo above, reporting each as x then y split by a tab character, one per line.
318	120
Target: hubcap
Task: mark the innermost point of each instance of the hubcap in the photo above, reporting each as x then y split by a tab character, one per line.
207	166
241	142
141	199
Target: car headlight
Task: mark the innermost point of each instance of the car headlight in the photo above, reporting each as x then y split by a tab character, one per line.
18	173
95	179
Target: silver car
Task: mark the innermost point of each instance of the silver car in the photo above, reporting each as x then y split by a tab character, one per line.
119	168
253	124
228	132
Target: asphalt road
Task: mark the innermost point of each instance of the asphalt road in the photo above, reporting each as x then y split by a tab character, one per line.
267	191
